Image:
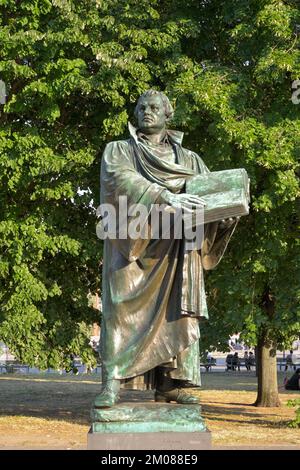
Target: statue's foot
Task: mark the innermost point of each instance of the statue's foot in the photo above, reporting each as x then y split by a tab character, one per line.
109	395
178	395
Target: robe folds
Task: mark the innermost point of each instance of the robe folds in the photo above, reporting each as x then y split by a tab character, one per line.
153	289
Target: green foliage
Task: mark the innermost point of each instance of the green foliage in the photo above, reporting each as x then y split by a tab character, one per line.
240	105
292	404
73	71
49	253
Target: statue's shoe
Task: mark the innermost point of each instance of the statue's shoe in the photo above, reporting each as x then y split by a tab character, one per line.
106	399
178	395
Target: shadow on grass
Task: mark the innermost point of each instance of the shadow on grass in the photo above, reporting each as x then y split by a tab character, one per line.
66	399
61	399
70	398
234	409
217	413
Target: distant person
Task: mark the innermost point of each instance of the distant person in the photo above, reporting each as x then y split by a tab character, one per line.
289	361
208	360
228	360
246	359
211	360
251	361
205	356
236	361
294	382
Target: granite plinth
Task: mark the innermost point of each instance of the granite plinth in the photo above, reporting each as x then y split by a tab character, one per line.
148	426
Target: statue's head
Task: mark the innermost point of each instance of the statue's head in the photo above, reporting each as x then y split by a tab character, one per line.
152	111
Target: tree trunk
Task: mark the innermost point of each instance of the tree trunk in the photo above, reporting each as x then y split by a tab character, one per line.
257	361
267	393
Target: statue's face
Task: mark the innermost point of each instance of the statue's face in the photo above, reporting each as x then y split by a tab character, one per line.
151	114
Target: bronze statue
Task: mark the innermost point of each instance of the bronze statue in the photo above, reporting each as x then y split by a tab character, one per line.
153	289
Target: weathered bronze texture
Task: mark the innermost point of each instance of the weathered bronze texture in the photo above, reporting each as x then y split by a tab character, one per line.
153	290
150	417
225	193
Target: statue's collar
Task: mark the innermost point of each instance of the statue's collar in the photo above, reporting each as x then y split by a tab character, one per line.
174	136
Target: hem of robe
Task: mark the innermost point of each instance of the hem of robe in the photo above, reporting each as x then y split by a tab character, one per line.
147	380
177	349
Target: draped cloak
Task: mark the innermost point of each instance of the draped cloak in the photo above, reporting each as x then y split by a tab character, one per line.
153	289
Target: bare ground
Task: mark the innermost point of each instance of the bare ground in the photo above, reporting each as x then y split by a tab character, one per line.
52	411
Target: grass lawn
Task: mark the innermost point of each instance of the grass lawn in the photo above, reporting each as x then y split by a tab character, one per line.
52	411
227	400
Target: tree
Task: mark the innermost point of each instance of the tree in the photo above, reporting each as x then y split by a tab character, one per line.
49	253
243	96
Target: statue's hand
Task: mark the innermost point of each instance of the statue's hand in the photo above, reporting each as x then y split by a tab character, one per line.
187	202
226	223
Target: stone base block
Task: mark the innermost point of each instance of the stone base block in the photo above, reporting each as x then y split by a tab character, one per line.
148	426
150	441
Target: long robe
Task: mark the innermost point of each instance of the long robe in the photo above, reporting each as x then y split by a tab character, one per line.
153	289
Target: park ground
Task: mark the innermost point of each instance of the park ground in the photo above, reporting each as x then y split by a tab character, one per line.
48	411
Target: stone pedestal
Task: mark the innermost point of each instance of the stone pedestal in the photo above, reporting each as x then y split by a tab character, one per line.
150	426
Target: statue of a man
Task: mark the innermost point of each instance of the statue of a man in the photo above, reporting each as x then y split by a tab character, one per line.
153	289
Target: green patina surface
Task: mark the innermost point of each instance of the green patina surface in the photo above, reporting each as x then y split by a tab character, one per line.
131	418
226	193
